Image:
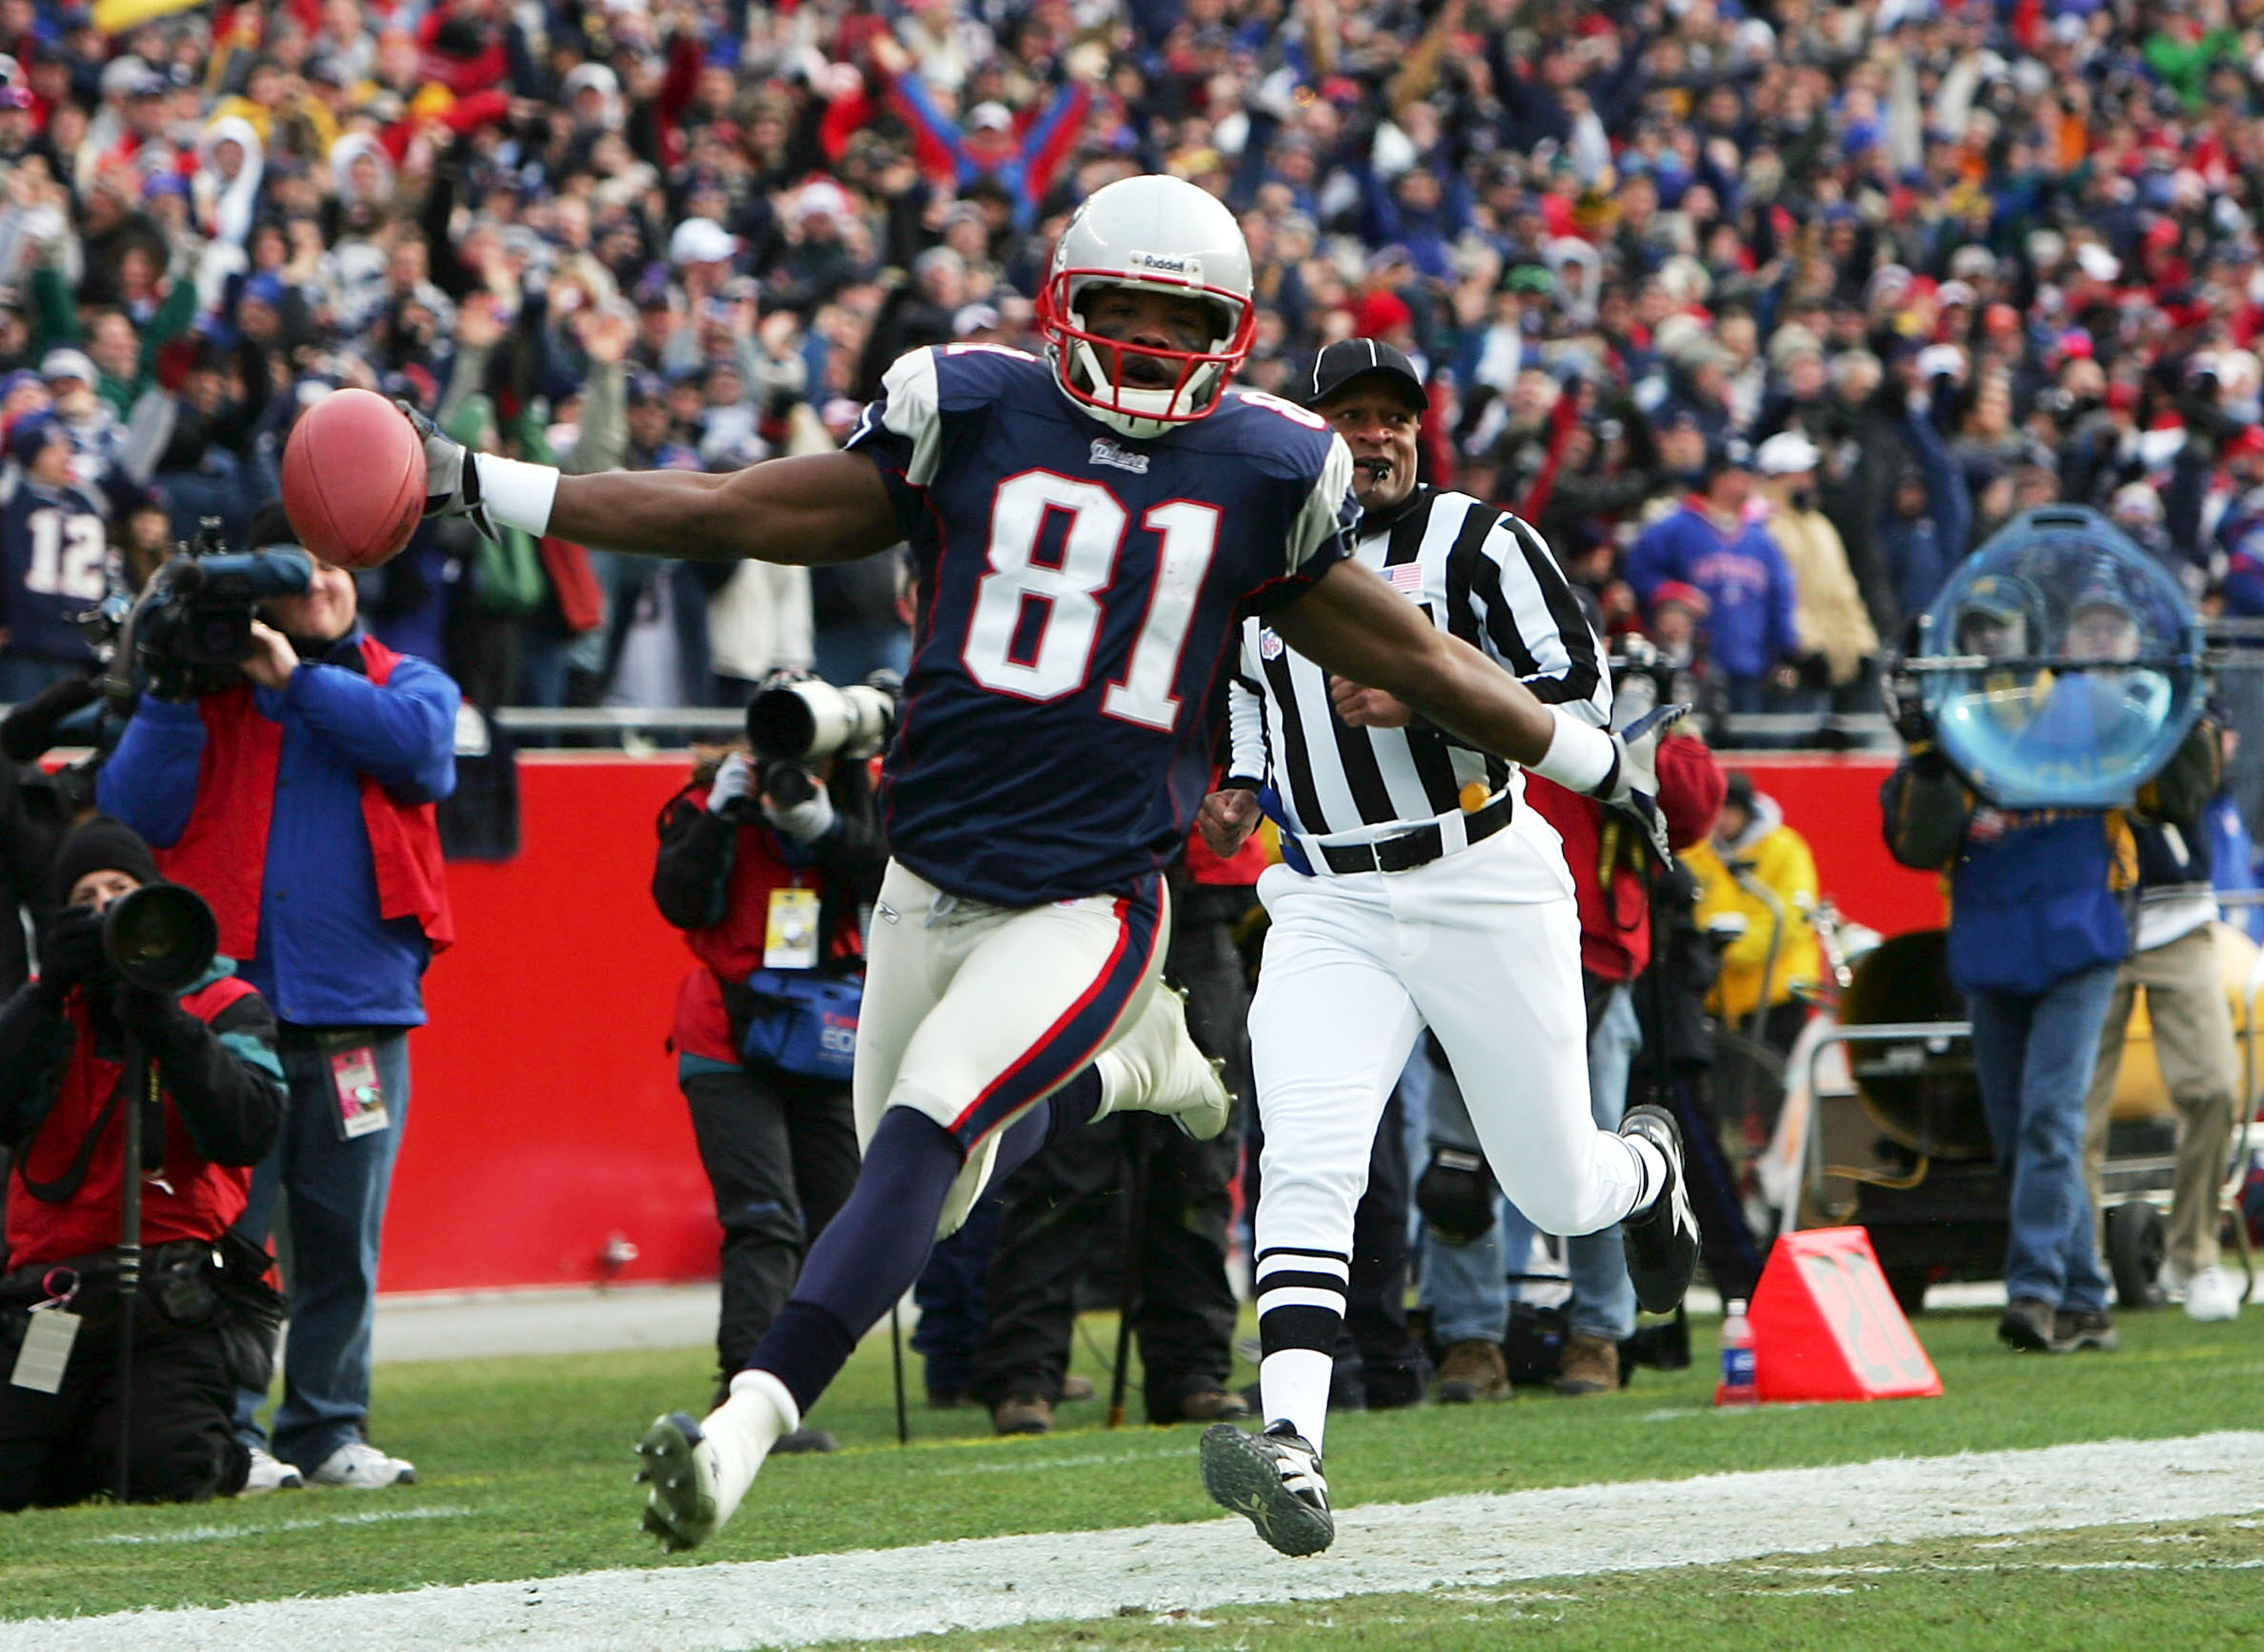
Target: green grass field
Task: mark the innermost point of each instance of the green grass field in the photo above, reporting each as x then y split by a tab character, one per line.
525	1466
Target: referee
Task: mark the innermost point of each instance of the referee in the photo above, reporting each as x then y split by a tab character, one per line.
1417	889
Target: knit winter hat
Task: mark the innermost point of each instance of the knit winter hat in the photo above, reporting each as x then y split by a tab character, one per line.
102	844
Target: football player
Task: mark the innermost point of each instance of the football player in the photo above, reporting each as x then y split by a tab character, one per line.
1089	527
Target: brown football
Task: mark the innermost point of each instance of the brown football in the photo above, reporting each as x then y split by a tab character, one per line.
353	479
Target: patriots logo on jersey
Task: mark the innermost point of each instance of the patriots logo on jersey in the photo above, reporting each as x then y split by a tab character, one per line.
1105	452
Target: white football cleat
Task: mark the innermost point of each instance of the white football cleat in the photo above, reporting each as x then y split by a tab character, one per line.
699	1471
1156	1068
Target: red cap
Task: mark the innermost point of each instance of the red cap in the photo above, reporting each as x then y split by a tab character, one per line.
2248	440
1379	313
1688	596
2001	318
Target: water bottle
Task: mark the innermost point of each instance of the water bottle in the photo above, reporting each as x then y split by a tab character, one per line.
1739	1383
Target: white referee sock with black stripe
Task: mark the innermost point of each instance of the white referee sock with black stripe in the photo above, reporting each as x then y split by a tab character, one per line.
1301	1307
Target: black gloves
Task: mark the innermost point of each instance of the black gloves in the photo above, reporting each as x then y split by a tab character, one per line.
152	1017
70	949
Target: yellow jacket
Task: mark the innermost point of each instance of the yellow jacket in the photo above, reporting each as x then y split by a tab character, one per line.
1780	861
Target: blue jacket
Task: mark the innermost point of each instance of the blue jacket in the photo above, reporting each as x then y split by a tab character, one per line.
325	957
2035	896
1744	577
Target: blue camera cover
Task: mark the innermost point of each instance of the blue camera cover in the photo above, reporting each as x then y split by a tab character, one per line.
2061	665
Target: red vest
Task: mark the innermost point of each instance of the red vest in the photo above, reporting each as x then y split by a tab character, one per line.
222	852
187	1198
733	949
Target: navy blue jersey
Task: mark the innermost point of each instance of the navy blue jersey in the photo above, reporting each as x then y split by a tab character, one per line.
55	564
1079	592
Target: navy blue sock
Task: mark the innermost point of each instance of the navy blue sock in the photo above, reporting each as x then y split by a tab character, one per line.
877	1243
1069	1108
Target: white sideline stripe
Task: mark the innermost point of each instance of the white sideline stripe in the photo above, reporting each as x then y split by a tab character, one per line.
1456	1541
225	1533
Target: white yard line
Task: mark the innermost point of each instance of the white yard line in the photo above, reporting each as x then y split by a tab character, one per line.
1458	1541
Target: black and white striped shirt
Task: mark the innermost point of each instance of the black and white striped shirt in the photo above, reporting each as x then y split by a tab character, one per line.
1478	572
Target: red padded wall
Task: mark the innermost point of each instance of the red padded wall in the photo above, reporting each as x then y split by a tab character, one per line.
546	1118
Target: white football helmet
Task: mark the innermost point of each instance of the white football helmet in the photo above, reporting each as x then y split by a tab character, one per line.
1158	234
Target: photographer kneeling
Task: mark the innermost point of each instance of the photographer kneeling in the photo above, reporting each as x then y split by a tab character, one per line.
205	1320
764	863
295	793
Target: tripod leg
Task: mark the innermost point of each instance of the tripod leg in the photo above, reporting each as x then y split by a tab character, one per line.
1135	1144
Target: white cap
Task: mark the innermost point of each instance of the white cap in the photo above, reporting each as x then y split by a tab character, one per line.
2136	502
1936	360
703	240
2099	264
990	116
66	363
1786	453
821	197
973	318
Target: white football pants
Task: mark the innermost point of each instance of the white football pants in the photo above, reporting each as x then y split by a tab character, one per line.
974	1012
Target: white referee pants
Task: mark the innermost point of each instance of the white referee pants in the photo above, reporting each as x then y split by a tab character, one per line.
1483	947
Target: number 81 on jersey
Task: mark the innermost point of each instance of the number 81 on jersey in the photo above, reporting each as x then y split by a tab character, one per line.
1058	660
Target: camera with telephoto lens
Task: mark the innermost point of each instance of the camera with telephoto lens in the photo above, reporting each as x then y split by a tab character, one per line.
792	722
1641	677
187	634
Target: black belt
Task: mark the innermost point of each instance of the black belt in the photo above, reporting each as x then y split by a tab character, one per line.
1402	852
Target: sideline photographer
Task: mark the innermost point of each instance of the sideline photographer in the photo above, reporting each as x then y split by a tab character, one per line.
205	1319
766	861
296	794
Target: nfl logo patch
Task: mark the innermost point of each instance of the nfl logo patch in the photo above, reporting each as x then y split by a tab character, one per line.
1269	645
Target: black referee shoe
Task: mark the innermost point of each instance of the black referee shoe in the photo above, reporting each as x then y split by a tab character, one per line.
1661	1242
1275	1478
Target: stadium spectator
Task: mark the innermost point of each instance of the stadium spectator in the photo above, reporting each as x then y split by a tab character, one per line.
1713	543
2010	254
298	801
1841	660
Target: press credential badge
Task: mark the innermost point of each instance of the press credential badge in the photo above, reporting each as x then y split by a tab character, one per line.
360	1097
45	1352
791	939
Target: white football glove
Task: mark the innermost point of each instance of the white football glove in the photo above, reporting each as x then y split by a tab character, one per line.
735	780
1633	784
452	479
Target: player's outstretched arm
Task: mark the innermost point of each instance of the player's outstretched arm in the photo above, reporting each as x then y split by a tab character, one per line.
814	508
1353	624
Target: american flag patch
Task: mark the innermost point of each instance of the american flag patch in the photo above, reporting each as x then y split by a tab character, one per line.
1405	577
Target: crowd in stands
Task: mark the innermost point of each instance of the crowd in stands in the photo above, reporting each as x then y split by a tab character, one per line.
1764	313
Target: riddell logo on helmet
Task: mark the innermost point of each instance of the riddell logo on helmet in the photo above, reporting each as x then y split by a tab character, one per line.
1165	263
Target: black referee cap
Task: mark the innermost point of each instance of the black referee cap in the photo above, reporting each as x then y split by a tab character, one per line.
1351	358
